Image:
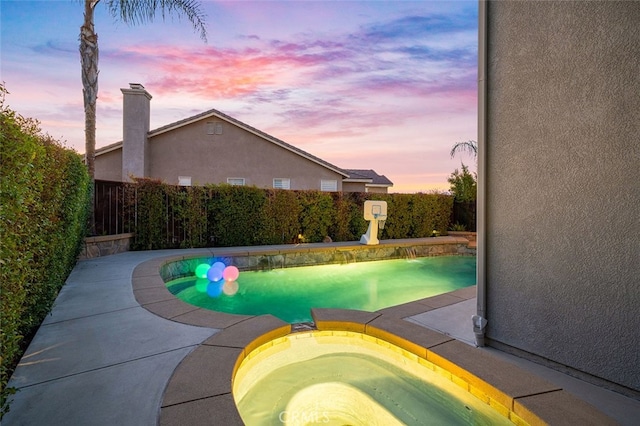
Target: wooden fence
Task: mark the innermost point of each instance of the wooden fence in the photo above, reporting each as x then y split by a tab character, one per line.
110	208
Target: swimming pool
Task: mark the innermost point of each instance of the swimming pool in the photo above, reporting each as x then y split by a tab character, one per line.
349	378
290	293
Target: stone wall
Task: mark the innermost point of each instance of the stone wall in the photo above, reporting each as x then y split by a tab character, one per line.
105	245
317	254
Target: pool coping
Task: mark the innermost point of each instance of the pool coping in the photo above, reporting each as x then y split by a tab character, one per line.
200	387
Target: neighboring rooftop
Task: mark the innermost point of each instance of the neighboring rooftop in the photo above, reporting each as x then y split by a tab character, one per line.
368	174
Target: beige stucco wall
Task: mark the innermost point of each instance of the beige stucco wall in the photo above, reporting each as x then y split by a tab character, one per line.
361	187
353	187
109	166
563	184
135	127
377	190
237	153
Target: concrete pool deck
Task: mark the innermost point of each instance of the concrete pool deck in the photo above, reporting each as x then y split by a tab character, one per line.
107	353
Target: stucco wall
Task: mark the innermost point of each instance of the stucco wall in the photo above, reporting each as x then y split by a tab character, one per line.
236	153
563	184
377	190
135	126
109	166
353	187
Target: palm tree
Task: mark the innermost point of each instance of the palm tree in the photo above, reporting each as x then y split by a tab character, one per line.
130	12
469	146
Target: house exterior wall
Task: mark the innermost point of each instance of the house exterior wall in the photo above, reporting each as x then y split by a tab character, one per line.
109	166
353	187
563	184
377	190
236	153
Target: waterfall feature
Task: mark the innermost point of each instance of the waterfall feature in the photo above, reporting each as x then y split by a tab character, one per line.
410	252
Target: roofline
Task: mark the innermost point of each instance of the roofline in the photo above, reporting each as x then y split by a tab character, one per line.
109	148
250	129
364	180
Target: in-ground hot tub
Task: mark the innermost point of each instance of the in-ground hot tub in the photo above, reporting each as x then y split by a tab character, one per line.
349	378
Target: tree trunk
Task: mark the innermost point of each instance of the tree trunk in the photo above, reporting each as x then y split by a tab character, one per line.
89	63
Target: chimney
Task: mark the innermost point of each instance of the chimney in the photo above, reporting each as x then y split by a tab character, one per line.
136	113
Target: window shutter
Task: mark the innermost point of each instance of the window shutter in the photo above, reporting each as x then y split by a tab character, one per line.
281	183
235	181
214	128
328	185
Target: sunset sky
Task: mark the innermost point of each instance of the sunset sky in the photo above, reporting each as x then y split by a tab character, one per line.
383	85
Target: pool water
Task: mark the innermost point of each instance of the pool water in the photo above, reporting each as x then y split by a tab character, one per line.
346	378
290	293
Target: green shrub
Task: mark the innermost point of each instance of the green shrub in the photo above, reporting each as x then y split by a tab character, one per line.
345	213
167	216
236	215
464	187
151	219
282	210
44	204
316	215
430	212
188	204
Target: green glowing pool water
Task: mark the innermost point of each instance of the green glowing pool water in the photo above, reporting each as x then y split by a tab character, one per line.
290	293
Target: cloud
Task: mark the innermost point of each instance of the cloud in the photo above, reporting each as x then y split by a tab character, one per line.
402	56
415	27
55	48
348	85
383	85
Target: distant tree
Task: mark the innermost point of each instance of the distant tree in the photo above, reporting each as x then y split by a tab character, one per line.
463	185
470	147
131	12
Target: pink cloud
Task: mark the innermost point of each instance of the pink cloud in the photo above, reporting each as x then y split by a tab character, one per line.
387	93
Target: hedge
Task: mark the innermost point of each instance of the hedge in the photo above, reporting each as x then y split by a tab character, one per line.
169	216
44	200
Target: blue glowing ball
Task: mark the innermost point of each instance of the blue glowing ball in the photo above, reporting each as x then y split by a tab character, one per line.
215	272
214	289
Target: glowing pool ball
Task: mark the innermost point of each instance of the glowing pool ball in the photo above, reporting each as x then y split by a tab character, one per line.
215	272
214	288
230	273
202	269
230	288
201	285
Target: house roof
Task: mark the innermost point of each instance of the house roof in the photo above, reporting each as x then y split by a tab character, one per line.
225	117
109	148
369	176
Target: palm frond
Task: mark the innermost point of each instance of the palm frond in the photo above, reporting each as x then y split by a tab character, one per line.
135	12
469	146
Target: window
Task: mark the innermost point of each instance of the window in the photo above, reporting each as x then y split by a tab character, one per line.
281	183
184	180
328	185
235	181
214	128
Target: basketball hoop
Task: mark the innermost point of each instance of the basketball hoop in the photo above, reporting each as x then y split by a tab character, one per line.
375	211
